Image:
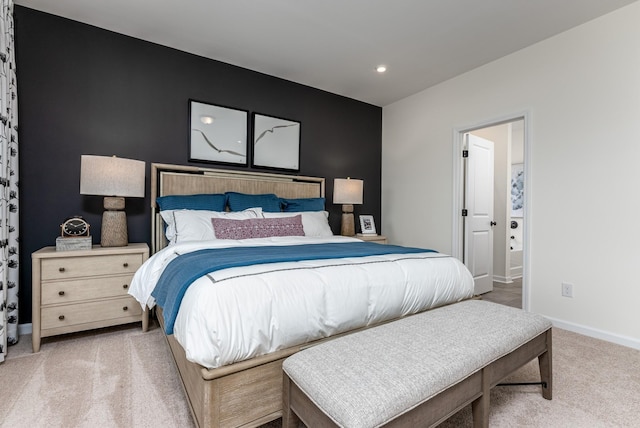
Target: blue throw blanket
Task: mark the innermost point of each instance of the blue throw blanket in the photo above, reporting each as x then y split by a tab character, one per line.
182	271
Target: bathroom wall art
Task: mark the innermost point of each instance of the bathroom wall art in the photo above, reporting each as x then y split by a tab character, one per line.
517	190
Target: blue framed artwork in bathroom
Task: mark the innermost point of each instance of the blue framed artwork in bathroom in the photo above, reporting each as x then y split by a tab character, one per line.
517	189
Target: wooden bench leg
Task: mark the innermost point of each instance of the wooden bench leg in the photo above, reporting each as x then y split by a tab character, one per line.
289	418
546	369
480	406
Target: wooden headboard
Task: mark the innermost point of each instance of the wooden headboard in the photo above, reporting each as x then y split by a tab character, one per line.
189	180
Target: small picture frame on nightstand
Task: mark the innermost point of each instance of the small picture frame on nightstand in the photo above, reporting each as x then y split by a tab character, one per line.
367	225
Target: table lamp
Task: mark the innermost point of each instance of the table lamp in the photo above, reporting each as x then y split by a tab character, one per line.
347	191
114	178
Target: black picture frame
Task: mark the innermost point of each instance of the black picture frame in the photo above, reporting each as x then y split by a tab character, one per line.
218	134
275	143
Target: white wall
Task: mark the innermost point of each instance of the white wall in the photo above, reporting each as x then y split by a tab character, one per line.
581	90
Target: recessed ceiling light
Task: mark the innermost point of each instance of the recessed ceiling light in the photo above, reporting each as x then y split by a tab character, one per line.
381	68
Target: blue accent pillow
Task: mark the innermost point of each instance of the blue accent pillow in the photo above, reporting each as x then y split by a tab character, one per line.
242	201
209	202
303	204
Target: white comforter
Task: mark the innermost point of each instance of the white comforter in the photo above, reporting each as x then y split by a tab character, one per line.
239	313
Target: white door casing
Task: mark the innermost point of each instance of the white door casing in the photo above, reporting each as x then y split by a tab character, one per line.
478	236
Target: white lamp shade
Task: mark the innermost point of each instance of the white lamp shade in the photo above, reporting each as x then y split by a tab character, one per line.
347	191
111	176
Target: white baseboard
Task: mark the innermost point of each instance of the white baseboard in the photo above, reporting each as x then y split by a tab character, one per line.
596	333
502	279
25	329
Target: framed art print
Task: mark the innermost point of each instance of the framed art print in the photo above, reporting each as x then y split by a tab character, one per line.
367	225
217	134
517	190
276	143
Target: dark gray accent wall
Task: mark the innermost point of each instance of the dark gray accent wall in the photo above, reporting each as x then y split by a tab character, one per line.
85	90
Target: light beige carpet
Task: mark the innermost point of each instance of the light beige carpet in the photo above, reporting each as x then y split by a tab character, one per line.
125	378
118	377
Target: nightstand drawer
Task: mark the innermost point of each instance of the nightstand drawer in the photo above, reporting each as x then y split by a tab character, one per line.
60	292
68	267
81	313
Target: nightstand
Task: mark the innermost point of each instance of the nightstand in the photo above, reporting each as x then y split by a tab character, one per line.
379	239
84	289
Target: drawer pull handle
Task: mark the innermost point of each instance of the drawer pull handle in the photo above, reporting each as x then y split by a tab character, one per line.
125	264
125	285
60	293
61	269
61	317
125	308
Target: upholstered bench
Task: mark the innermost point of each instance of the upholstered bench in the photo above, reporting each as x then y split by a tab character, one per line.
416	371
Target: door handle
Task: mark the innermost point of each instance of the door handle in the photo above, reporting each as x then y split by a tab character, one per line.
493	223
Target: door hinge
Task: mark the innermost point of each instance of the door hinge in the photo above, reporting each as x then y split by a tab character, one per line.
464	212
465	153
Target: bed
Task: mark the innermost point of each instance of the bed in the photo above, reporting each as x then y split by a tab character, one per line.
230	326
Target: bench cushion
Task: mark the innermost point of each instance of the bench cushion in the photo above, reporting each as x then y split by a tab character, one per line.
368	378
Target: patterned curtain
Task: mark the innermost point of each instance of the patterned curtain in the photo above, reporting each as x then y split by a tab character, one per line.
8	183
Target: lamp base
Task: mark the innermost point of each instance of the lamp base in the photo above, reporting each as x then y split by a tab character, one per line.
114	225
348	227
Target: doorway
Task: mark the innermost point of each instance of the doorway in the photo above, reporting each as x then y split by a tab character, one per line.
508	258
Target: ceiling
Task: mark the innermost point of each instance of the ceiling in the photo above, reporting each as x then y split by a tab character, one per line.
335	45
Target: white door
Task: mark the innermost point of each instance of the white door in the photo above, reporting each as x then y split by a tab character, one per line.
478	245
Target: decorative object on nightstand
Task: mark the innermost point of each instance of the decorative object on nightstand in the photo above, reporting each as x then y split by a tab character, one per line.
347	191
74	235
81	290
114	178
367	225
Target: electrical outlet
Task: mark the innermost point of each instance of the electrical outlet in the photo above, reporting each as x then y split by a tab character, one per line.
567	289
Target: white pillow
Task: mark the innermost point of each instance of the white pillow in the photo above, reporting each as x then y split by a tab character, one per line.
195	225
314	223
